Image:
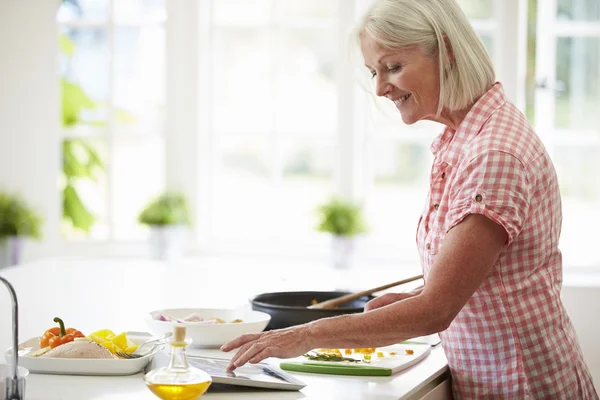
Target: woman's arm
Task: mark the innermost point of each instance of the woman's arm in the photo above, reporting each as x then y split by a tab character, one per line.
466	257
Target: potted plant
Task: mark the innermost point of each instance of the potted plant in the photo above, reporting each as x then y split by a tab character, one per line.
343	220
168	215
17	221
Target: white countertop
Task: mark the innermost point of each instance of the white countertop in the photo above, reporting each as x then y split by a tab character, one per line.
116	294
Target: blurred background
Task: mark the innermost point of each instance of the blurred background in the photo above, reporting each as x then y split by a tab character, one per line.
257	112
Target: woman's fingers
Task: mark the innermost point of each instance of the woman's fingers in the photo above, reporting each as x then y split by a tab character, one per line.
384	300
240	340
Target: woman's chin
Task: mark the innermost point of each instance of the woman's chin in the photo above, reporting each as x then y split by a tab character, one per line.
408	119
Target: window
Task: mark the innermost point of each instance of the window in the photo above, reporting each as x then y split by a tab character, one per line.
289	127
273	110
568	90
113	56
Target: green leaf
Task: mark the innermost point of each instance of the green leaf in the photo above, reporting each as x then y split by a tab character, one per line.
74	210
66	45
124	117
74	100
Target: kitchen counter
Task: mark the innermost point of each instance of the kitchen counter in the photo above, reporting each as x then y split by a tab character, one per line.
116	294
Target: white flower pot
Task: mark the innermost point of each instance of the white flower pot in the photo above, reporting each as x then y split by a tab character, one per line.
342	251
167	242
11	251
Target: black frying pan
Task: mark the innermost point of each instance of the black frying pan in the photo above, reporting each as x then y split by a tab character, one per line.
290	308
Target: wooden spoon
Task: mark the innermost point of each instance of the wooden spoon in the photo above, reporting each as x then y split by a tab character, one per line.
332	303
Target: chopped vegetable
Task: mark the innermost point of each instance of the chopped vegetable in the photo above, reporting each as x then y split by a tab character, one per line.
317	356
348	351
380	354
409	351
114	343
58	335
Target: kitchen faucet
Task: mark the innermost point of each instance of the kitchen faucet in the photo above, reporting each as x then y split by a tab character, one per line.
14	386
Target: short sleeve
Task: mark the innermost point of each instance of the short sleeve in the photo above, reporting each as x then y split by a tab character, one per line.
494	184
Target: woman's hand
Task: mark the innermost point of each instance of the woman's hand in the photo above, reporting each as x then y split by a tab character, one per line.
282	343
387	299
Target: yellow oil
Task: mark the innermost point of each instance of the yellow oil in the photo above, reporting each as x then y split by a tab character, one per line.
179	392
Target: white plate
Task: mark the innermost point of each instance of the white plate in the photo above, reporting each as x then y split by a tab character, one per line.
80	366
210	335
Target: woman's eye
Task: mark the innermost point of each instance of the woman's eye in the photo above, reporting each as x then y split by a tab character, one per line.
393	69
373	74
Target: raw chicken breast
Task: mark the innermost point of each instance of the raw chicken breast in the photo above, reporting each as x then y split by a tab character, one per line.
79	349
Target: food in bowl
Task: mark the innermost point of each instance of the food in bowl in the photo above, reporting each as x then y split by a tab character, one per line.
202	325
194	317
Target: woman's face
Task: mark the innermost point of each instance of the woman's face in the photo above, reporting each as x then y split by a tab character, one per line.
409	78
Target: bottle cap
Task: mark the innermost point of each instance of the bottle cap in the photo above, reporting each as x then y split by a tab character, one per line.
179	333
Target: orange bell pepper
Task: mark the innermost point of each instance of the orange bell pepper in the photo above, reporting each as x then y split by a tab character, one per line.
58	335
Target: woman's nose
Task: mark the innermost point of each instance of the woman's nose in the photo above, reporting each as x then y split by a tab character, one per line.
382	87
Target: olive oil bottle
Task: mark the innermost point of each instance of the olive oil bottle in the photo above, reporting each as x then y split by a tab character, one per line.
178	381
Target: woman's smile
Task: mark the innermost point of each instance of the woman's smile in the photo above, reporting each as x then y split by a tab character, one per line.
401	100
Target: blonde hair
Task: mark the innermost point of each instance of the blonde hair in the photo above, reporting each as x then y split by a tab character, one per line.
431	25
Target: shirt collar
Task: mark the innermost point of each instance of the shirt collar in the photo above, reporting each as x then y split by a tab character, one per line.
449	143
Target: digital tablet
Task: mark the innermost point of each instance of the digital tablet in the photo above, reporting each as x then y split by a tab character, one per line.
259	375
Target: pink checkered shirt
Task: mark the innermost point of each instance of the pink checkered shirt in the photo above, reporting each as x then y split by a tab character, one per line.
513	339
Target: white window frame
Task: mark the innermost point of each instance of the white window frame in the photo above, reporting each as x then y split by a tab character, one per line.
110	246
549	29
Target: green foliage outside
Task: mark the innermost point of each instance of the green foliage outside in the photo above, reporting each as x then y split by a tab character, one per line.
166	209
17	218
81	160
341	218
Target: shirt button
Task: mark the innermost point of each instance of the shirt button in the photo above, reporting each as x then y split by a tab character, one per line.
428	246
478	198
443	175
436	206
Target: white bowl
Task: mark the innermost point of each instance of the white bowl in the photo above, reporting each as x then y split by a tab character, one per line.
6	371
210	335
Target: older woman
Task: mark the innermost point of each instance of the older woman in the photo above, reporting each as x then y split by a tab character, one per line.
488	235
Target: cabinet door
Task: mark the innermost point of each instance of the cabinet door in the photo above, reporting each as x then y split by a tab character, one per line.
443	391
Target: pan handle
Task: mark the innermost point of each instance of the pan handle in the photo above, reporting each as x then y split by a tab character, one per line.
349	297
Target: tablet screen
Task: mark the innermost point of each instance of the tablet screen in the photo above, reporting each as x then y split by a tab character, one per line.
255	375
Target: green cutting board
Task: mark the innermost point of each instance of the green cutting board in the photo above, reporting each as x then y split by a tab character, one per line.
378	366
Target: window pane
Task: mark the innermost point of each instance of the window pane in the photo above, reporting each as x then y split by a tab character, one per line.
85	195
242	12
140	77
477	9
397	193
307	182
578	169
581	10
242	84
83	9
138	175
316	9
134	10
88	67
244	197
306	90
578	73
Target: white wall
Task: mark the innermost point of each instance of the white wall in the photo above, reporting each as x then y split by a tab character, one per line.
29	109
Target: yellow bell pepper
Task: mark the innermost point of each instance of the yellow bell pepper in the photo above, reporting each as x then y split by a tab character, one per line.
114	343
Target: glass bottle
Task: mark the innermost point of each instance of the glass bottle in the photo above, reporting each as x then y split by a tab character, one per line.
178	381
